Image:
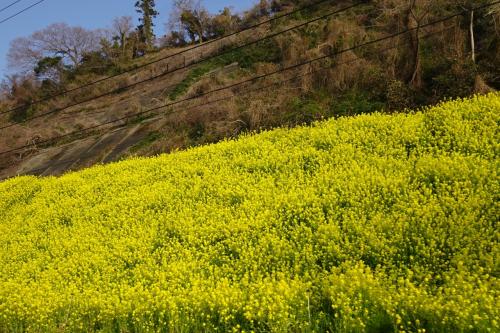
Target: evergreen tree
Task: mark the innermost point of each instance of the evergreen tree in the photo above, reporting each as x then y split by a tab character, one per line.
147	9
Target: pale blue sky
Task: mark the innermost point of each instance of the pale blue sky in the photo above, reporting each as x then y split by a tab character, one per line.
87	13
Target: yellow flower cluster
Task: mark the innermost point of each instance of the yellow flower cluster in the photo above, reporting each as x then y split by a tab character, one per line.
378	223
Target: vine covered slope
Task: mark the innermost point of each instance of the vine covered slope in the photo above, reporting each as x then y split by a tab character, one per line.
377	223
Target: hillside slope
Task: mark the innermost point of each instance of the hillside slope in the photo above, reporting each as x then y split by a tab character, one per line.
378	223
356	69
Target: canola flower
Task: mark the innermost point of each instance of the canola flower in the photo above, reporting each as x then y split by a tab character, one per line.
378	223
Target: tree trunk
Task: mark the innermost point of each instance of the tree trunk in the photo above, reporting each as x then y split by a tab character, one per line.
200	36
123	42
416	79
416	68
472	41
481	87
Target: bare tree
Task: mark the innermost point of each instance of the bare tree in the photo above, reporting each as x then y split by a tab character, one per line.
417	12
401	15
59	39
121	29
469	7
178	6
190	16
23	55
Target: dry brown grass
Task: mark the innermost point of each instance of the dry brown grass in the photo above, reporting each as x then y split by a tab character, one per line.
196	122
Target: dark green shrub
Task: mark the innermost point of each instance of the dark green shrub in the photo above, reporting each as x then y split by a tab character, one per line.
22	113
447	77
355	102
304	110
193	76
264	51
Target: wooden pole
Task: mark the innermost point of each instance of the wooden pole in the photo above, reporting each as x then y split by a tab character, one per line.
472	41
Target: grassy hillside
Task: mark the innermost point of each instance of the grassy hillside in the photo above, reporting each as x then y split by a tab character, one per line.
378	223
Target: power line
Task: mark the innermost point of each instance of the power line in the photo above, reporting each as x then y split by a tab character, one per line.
222	99
305	74
230	86
375	41
187	66
8	6
309	73
317	3
21	11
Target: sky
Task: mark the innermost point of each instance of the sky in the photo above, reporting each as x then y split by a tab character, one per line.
90	14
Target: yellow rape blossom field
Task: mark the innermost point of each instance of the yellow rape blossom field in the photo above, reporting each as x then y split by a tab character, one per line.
378	223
